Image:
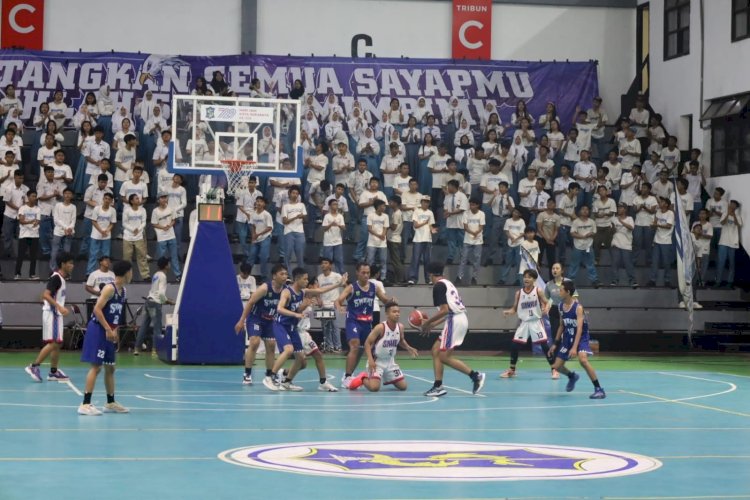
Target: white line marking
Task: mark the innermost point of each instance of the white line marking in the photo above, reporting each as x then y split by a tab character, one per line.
448	386
74	388
275	406
148	375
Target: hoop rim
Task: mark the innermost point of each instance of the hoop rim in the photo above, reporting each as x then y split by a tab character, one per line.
236	165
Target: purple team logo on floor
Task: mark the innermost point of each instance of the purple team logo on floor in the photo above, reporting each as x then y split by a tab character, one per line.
441	460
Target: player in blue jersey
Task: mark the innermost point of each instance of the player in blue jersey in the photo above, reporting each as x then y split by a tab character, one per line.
357	301
100	341
295	298
574	334
257	316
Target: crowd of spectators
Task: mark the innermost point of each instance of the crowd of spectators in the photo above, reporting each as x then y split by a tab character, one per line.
495	190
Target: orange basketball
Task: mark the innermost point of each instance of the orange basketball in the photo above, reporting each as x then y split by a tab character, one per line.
416	318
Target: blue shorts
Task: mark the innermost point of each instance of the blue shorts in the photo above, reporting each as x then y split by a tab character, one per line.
564	351
286	336
358	330
97	350
260	327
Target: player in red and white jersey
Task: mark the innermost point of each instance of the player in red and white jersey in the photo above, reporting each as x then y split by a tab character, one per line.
531	305
451	309
53	311
381	346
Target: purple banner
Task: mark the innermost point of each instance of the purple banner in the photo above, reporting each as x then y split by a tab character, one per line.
373	82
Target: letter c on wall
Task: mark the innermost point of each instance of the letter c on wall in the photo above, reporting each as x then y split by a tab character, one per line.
462	34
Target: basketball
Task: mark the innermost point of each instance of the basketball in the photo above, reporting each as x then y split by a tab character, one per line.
416	318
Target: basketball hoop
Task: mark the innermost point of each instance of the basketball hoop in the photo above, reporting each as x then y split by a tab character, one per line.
237	172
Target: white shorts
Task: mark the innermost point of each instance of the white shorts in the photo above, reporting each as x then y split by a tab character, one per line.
52	327
308	343
533	330
387	373
454	331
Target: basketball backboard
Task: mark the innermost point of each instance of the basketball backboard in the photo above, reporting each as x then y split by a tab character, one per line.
209	129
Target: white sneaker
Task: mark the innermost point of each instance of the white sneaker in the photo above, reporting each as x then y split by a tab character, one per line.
345	382
270	384
115	407
696	305
682	304
89	411
288	386
247	379
327	387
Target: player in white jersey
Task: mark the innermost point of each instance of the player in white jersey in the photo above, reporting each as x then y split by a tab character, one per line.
53	311
381	346
531	305
451	310
310	346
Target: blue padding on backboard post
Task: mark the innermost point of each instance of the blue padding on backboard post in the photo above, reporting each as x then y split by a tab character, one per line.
210	303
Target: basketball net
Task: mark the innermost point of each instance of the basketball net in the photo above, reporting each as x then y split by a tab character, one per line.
237	172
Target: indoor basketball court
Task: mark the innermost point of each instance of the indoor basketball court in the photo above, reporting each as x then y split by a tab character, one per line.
513	165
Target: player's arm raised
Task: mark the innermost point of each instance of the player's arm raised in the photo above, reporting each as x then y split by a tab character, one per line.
512	310
404	344
341	301
370	341
254	298
315	292
579	330
283	301
107	292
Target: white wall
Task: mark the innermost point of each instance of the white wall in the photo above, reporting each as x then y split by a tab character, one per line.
163	26
675	84
421	29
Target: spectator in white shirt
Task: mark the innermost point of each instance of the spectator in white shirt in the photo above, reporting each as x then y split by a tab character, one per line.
571	150
49	192
520	114
42	116
157	297
645	206
293	215
163	220
369	149
663	188
366	205
584	173
119	140
473	221
622	246
103	219
342	163
662	255
133	226
455	204
583	231
14	195
604	210
671	156
156	124
389	167
597	115
526	133
423	221
513	230
703	243
657	134
550	115
717	208
696	181
729	242
431	128
29	218
10	102
64	217
261	226
10	145
378	223
333	228
585	129
103	275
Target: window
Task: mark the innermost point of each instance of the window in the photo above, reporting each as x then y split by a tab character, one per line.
676	28
730	145
740	20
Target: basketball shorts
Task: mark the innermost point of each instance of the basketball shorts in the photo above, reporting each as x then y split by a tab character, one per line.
454	331
287	336
52	327
358	330
262	328
530	330
564	351
97	349
309	345
387	373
